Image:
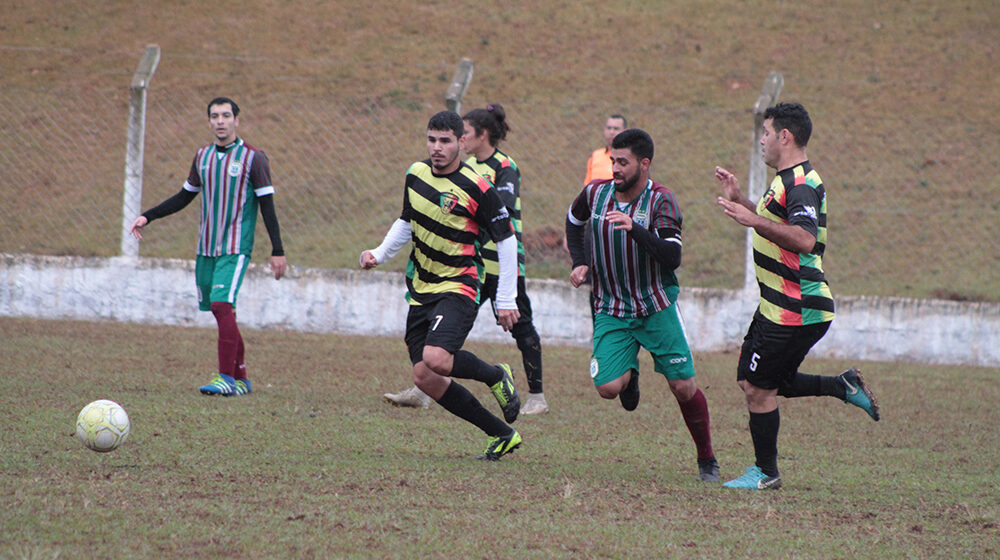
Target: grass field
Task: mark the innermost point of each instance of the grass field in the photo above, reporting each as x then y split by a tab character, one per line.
315	465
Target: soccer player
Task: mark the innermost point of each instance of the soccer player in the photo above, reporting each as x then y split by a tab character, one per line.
796	305
235	180
446	206
484	129
636	247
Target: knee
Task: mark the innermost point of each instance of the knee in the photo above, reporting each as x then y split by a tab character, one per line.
683	389
438	360
526	337
607	392
221	309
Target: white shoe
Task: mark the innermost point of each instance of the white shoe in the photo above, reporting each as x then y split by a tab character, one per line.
535	404
412	397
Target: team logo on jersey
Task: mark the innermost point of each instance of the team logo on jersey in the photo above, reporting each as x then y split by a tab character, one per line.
593	368
235	168
767	198
640	218
448	202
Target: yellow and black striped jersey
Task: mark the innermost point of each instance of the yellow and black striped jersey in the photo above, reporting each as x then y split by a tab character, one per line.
447	214
793	287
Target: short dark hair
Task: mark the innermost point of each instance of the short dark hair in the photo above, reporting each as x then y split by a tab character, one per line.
222	101
636	140
617	116
447	120
492	119
792	117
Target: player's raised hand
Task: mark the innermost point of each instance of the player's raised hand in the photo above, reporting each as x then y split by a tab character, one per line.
730	186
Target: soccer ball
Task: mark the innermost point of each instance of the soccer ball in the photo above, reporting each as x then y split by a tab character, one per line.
103	425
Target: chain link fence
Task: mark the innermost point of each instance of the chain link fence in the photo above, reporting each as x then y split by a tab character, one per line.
906	216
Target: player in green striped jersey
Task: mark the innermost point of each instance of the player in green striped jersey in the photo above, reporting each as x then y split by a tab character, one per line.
446	207
796	305
636	246
234	179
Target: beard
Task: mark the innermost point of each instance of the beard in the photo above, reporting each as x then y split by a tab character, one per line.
627	183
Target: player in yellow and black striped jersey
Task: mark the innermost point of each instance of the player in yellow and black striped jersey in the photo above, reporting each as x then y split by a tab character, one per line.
446	207
796	305
485	128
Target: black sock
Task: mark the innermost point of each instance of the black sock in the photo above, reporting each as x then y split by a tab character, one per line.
806	385
460	402
531	356
468	366
764	431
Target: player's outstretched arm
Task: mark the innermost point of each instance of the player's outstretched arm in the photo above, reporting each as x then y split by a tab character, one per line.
398	236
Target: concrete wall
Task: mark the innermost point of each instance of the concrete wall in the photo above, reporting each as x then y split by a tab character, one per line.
161	291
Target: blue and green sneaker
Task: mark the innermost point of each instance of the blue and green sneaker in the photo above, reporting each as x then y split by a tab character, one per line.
858	394
242	387
754	479
221	384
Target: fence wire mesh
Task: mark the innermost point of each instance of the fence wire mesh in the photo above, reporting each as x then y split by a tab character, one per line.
906	215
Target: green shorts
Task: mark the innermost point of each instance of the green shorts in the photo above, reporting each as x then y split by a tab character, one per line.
617	341
219	278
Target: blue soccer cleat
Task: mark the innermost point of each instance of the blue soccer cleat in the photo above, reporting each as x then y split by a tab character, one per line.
221	384
858	394
754	479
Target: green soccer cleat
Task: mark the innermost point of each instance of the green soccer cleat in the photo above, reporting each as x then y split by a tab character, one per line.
242	387
500	446
754	479
858	394
506	395
221	384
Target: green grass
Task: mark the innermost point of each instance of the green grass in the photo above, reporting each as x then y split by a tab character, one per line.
315	465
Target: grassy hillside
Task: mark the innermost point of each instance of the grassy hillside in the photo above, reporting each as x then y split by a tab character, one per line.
902	94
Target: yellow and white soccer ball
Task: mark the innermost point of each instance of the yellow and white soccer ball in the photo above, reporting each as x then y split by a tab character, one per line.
103	425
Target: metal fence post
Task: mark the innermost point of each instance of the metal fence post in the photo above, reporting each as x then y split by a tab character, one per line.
134	147
459	83
758	170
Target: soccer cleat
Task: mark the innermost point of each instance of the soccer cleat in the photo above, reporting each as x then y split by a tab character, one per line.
754	479
412	397
221	384
535	404
708	470
858	394
630	394
500	446
506	395
242	387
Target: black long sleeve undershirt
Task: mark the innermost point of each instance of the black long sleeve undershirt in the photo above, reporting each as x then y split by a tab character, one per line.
576	243
170	205
271	224
664	247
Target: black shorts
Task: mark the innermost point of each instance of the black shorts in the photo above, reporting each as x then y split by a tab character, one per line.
772	353
445	322
489	291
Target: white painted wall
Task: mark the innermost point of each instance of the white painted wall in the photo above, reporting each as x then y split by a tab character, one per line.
161	291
